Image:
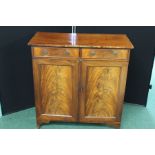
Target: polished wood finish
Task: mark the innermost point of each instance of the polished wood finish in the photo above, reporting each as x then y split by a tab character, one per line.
55	90
100	97
105	54
55	52
81	81
81	40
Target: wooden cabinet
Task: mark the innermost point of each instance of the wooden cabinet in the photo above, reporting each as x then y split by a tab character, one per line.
79	78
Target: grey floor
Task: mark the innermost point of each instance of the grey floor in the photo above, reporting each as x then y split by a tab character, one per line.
133	117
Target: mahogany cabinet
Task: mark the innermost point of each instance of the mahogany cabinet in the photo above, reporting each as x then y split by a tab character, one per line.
80	77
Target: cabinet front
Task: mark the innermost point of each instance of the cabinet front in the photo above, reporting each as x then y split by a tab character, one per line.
56	89
103	84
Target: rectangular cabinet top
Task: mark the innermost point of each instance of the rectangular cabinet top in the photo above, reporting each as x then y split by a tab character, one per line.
81	40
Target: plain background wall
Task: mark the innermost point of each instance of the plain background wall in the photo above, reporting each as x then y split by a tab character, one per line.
16	81
0	110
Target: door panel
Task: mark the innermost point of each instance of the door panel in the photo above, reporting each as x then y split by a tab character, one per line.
103	89
55	89
56	80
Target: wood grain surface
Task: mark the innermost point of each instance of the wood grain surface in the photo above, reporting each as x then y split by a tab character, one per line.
56	89
109	54
81	40
100	98
55	52
101	91
56	86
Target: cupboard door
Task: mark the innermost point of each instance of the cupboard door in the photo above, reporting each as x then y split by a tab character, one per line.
102	92
56	89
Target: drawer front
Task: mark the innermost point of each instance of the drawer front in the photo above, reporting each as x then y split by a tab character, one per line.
105	53
55	52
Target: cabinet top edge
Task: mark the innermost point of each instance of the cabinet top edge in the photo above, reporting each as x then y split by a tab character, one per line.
81	40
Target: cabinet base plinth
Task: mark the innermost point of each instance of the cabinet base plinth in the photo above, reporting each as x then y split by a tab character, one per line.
115	125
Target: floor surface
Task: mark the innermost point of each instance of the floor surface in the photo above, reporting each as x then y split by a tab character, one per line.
133	117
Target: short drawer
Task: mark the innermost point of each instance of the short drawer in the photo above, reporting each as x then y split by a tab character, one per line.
54	52
105	53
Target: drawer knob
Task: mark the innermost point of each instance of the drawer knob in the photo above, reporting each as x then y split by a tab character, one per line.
67	53
92	53
114	52
44	52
